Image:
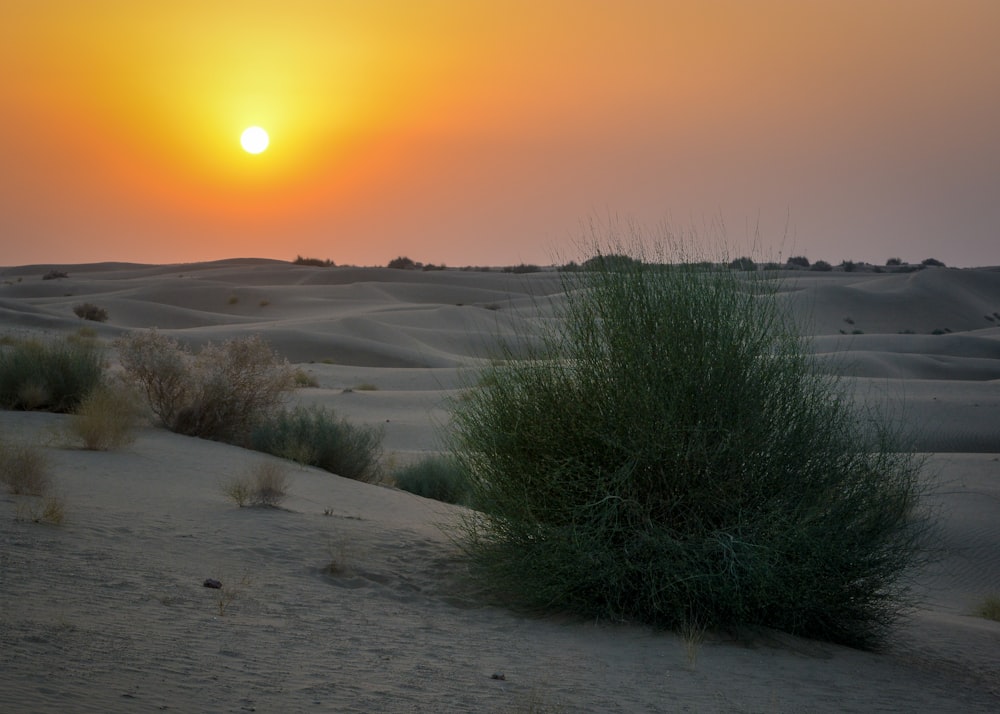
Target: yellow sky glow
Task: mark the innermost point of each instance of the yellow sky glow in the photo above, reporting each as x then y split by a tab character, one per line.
476	132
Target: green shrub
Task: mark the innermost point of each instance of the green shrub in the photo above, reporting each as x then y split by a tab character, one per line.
315	437
50	376
221	393
672	455
437	477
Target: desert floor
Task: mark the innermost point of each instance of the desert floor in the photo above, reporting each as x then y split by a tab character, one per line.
349	597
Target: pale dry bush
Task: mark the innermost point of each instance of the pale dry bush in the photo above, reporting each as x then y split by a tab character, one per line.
106	418
265	487
50	508
23	469
220	393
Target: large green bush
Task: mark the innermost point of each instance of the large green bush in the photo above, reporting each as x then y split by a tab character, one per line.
51	375
671	455
316	437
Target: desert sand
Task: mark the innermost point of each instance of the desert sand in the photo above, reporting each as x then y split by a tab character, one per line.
349	597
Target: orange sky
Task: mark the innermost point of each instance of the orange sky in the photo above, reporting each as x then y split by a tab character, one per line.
487	132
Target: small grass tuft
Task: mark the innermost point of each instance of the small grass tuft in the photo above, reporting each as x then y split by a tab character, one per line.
303	379
989	608
265	487
24	469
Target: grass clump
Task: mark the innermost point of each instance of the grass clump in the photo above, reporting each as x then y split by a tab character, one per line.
106	418
265	487
221	393
316	437
671	455
24	469
989	608
437	477
48	376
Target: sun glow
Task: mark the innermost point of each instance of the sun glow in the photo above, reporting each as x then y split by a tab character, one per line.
254	140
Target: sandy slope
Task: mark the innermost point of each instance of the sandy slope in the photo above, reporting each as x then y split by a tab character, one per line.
107	612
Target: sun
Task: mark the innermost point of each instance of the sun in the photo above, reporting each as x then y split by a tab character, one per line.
254	140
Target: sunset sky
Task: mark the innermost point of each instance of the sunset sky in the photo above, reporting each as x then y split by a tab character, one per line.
487	132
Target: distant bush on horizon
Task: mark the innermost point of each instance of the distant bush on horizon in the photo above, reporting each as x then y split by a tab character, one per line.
314	262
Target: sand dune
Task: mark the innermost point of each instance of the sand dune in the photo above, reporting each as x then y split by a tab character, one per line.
107	612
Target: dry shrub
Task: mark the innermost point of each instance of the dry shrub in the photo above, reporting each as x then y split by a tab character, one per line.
89	311
106	418
265	487
220	393
23	469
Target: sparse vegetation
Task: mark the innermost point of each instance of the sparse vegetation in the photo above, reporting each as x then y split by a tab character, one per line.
303	379
989	608
521	268
671	454
403	263
265	487
316	437
437	477
50	376
314	262
221	393
89	311
55	275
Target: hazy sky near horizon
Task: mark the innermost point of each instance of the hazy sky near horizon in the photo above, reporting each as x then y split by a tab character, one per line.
487	132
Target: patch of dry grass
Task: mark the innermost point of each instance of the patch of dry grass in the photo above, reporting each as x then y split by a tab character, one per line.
265	487
23	469
106	418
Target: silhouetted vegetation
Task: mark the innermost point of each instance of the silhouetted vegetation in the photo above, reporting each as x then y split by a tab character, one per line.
798	261
314	262
821	266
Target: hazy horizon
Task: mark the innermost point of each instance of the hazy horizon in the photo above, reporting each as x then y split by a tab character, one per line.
490	133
